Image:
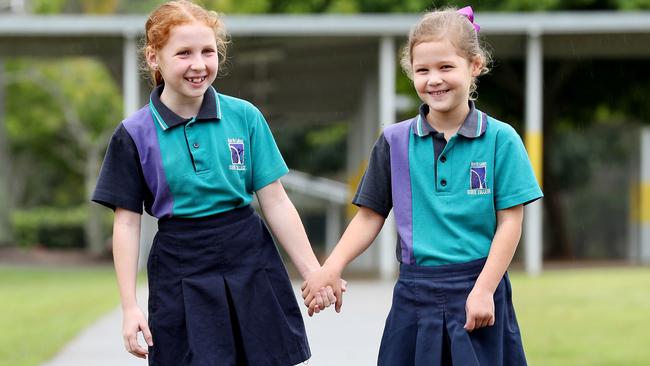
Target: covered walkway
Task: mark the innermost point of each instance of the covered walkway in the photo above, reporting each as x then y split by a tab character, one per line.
318	69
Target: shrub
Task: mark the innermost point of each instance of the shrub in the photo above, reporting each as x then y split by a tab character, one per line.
51	227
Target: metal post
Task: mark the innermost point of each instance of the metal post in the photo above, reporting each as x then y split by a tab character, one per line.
360	142
17	6
332	226
130	76
534	144
387	65
644	198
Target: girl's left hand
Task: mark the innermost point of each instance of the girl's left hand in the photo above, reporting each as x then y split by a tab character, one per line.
479	309
322	285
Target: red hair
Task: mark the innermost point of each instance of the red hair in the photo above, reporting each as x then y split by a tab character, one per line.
179	12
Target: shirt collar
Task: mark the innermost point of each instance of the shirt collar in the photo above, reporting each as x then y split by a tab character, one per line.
166	118
474	125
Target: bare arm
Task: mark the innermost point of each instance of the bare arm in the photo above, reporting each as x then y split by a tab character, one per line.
362	231
480	302
358	236
126	248
285	224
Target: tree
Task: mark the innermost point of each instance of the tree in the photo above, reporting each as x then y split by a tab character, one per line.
332	6
413	6
71	127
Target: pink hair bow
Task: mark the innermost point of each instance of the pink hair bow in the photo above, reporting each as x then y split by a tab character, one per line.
469	13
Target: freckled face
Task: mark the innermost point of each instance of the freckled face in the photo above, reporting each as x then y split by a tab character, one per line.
188	61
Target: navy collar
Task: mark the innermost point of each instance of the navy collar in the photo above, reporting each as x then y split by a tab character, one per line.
474	125
166	118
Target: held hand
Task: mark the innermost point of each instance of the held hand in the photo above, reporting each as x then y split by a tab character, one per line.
313	305
479	310
133	322
322	286
339	302
323	299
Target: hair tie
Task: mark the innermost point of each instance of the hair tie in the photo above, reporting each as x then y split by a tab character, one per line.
469	13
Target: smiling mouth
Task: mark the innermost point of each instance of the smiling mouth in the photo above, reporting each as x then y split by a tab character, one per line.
196	80
438	92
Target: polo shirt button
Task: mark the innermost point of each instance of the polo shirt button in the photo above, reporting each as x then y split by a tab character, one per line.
443	182
196	145
443	158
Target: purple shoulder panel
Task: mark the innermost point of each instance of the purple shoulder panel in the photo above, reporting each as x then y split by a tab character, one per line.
398	136
143	131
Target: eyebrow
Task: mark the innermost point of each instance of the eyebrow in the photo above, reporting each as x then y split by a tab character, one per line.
444	61
188	48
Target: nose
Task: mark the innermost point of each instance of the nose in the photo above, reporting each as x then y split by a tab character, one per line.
434	79
197	63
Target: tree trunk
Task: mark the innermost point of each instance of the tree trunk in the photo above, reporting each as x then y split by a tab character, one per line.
6	237
93	226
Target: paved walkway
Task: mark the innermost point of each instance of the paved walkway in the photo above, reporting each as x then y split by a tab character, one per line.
350	338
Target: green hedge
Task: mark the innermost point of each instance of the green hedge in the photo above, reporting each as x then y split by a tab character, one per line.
51	227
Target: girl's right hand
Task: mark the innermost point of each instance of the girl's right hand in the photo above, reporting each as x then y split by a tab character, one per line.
325	280
133	322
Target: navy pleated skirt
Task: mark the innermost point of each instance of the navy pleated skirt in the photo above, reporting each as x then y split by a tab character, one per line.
425	323
219	295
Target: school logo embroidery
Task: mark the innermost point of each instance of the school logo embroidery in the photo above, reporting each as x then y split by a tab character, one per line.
237	154
477	179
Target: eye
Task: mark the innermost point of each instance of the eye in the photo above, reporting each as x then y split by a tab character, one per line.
421	70
446	67
208	51
183	53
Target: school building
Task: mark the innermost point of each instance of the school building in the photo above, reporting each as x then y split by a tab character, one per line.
313	69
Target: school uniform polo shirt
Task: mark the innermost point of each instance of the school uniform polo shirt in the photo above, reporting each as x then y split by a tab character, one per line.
194	167
445	194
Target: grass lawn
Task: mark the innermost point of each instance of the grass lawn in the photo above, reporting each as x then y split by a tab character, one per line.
592	317
42	309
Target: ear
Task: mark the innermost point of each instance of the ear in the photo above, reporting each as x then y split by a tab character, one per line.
477	65
150	57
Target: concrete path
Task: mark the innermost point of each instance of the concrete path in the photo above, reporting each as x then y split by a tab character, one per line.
350	338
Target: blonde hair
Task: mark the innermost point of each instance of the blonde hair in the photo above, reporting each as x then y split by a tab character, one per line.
436	25
174	13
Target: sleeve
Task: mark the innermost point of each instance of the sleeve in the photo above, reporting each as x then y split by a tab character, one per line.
266	161
515	181
375	190
121	181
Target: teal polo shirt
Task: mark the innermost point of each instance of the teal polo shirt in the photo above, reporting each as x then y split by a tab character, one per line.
194	167
445	195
